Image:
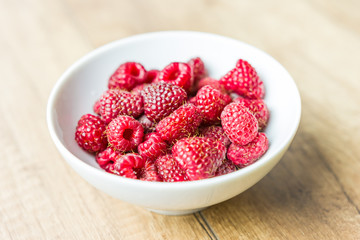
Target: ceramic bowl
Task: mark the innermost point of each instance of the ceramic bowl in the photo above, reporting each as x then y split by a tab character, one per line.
82	83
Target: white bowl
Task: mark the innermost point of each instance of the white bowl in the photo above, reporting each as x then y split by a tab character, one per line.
82	84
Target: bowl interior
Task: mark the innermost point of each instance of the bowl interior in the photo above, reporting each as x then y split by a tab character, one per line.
84	82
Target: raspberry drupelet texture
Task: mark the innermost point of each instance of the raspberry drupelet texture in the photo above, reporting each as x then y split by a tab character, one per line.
226	167
211	102
96	107
150	173
90	133
215	132
116	102
258	108
200	157
137	90
183	122
152	147
198	68
152	76
127	76
148	125
243	156
214	83
107	158
198	71
132	165
243	80
170	170
161	99
124	133
177	73
239	124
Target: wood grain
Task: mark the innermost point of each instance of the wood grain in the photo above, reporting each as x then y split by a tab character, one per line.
313	193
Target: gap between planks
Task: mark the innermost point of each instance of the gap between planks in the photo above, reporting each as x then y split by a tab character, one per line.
205	225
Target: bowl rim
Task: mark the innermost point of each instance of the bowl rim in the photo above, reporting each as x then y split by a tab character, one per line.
64	78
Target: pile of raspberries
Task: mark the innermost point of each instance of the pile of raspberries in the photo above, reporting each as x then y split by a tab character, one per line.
177	124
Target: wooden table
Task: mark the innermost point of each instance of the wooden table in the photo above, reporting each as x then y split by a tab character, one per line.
313	193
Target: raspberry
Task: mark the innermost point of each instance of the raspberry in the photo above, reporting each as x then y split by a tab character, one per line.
198	72
239	124
127	76
148	125
192	100
243	80
183	122
258	108
116	102
249	153
198	68
134	166
150	173
96	107
138	89
152	76
124	133
107	158
170	170
211	102
215	132
178	74
130	165
161	99
200	157
226	167
212	82
152	147
90	133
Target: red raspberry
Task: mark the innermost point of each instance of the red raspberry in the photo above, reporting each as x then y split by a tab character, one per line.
107	158
152	76
226	167
192	100
130	165
150	173
215	132
148	125
90	133
124	133
212	82
178	74
152	147
161	99
138	89
249	153
127	76
211	102
239	124
243	80
116	102
183	122
170	170
198	71
198	68
96	107
258	108
199	156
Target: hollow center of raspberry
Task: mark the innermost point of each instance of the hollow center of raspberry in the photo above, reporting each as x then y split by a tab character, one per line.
128	134
174	74
134	71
